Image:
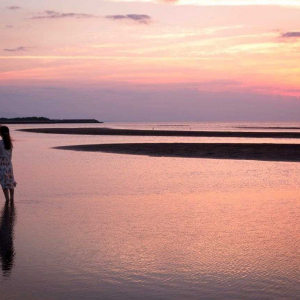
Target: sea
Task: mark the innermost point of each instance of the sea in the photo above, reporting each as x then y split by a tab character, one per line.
92	225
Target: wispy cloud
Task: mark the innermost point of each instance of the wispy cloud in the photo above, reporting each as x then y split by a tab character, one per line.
223	2
13	7
18	49
51	14
143	19
291	34
199	32
9	26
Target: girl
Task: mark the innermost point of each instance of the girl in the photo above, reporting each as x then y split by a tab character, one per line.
7	180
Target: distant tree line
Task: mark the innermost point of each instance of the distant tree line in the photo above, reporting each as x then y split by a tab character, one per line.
43	120
25	119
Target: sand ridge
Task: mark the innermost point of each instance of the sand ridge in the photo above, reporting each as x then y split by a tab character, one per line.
134	132
245	151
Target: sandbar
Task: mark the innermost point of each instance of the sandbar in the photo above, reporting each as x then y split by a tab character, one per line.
245	151
134	132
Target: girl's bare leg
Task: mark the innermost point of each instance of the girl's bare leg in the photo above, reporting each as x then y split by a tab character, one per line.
12	193
6	194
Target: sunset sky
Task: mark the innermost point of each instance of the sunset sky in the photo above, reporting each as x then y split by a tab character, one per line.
186	60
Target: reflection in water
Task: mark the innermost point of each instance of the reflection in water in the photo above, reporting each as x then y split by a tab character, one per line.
7	252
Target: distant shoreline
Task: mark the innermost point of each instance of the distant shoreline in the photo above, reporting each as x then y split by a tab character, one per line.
261	152
133	132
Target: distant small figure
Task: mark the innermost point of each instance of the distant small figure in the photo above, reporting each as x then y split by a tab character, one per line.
7	180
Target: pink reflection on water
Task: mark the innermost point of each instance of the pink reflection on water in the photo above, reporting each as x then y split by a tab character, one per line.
121	226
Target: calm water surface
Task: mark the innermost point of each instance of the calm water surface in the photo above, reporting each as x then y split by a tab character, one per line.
109	226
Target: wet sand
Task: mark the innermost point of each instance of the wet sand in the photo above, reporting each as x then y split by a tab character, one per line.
132	132
263	152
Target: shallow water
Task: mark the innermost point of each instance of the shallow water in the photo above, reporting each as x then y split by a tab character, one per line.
110	226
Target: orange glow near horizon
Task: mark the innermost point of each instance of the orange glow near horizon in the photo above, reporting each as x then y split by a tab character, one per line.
210	48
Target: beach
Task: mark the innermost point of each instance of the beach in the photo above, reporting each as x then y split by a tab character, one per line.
150	149
151	217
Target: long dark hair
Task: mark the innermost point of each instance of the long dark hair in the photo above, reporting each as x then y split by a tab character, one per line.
4	132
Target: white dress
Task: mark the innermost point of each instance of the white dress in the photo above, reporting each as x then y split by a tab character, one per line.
7	179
